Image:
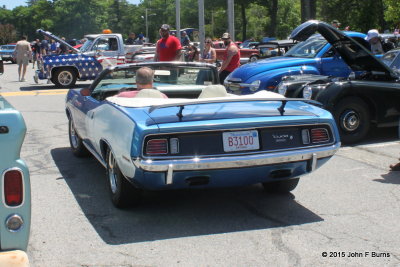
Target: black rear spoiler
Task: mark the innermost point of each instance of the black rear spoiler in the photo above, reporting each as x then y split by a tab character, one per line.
281	109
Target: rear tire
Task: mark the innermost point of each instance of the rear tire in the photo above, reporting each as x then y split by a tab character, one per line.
353	119
123	193
253	58
64	77
281	187
77	146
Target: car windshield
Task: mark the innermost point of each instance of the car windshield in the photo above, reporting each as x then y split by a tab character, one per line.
86	45
7	47
165	77
389	58
308	48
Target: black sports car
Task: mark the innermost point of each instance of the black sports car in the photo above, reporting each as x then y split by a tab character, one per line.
370	95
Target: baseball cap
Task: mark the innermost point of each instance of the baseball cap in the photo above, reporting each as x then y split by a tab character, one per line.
372	34
165	27
335	21
226	35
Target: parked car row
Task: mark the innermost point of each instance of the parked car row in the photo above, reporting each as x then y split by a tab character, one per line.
6	52
369	96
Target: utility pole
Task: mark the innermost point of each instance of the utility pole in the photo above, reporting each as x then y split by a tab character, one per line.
201	25
178	18
231	19
147	25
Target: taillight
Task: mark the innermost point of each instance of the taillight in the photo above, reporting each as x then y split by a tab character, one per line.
319	135
157	147
13	188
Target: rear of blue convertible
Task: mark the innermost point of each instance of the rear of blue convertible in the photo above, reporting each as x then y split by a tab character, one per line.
229	143
199	137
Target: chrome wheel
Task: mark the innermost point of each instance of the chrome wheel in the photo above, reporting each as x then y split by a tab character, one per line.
350	120
72	134
112	175
65	78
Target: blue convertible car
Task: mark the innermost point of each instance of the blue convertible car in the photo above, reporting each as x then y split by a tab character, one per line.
200	136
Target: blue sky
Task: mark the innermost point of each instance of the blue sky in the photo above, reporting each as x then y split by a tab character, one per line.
10	4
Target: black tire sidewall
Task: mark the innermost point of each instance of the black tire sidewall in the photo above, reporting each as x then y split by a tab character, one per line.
359	106
281	187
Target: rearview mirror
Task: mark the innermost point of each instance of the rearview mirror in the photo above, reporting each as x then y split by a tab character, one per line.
85	92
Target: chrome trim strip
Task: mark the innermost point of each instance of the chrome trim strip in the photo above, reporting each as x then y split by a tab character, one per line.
240	129
314	161
235	161
170	173
23	187
240	85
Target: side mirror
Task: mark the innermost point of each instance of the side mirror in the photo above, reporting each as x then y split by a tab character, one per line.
85	92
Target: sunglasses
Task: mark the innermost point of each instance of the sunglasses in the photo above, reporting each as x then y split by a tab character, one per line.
207	42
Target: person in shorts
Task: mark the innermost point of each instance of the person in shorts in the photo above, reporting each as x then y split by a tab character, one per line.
22	54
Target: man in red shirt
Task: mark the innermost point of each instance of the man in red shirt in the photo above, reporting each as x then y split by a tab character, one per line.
231	58
169	47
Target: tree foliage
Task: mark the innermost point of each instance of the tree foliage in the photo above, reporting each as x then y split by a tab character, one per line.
253	18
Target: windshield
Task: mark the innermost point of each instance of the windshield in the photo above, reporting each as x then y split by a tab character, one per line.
165	77
86	45
389	58
307	49
7	47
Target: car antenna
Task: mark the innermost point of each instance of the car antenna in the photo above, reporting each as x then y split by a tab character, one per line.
281	109
179	114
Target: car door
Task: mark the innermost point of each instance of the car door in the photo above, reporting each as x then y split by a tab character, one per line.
105	49
333	65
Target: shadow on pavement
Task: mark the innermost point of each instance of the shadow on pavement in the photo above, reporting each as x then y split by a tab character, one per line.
379	135
178	213
392	177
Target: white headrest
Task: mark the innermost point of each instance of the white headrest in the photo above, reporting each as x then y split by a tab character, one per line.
214	90
149	93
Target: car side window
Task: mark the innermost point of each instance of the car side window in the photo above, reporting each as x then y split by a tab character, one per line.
330	53
396	62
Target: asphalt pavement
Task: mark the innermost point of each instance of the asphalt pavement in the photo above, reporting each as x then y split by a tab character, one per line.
347	213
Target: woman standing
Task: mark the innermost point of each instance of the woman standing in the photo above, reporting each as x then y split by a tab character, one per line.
208	55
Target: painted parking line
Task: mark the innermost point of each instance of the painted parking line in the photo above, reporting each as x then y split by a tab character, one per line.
36	92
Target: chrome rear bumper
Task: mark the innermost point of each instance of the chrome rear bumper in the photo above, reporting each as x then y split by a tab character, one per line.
242	161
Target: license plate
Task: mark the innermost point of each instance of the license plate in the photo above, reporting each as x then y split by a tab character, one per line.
239	141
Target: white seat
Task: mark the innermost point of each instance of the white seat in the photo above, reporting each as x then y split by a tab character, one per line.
149	93
214	90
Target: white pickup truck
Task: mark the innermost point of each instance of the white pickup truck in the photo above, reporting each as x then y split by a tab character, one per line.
98	52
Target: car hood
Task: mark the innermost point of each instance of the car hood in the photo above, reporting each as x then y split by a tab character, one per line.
354	54
263	65
54	37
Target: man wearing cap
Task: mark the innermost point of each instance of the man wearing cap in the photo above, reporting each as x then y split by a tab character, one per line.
335	23
231	58
169	47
